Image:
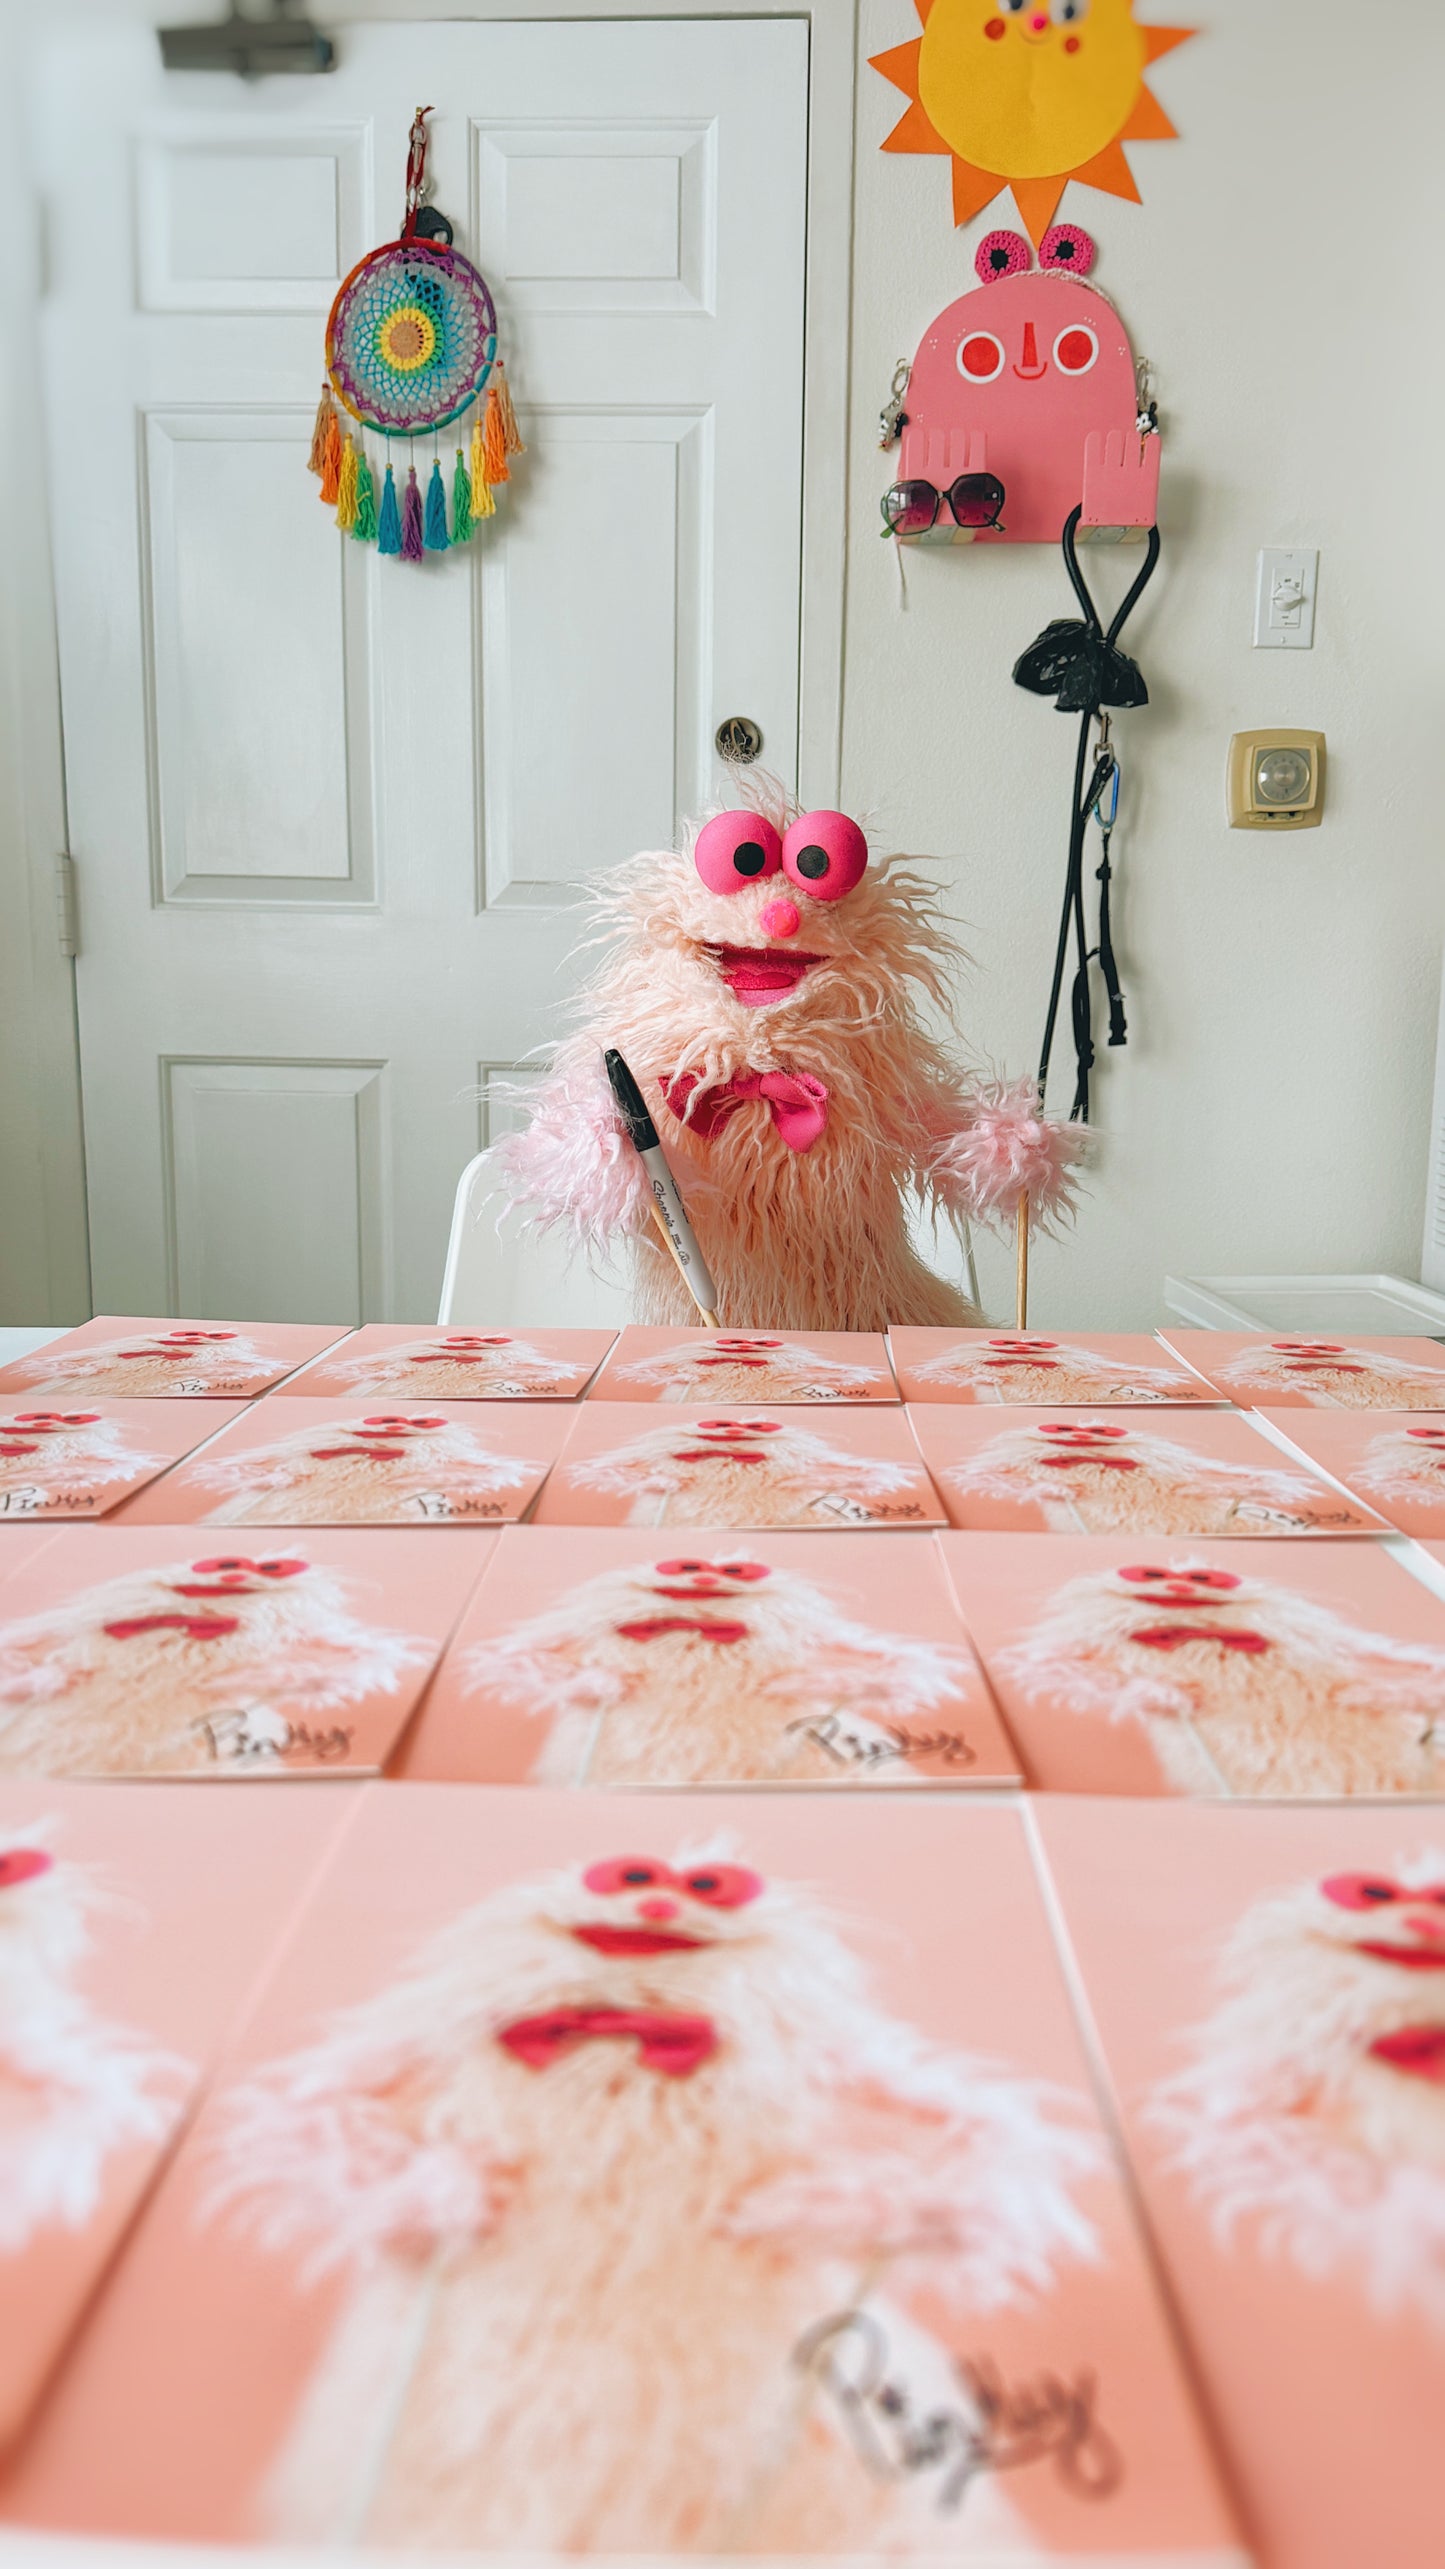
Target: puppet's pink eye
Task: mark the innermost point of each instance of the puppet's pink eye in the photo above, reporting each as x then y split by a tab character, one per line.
1075	349
280	1569
980	357
21	1864
1212	1578
736	849
723	1886
825	855
623	1873
1359	1890
1140	1573
747	1570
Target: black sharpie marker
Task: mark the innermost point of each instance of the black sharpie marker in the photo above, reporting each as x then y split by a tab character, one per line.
666	1205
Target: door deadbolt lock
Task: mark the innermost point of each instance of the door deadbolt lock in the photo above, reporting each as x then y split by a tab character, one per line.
738	740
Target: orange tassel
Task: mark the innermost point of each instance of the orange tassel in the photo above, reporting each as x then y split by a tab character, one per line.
483	504
325	422
331	463
511	432
494	439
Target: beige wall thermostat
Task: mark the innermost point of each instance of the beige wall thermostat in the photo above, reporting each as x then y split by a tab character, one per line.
1276	780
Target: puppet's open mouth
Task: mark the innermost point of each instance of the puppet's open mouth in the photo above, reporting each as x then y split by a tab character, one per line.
756	974
1414	1957
634	1940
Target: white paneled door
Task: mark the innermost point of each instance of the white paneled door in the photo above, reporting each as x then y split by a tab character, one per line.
328	810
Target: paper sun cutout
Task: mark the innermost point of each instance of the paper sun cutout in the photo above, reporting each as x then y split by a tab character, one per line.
1028	94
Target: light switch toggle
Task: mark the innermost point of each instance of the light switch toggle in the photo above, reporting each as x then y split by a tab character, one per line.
1284	607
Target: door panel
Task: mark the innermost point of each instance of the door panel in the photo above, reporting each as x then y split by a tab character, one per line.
328	811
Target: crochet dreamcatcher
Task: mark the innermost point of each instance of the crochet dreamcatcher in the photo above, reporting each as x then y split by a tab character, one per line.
411	349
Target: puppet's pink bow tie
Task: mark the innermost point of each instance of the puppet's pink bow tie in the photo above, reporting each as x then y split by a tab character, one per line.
673	2045
797	1103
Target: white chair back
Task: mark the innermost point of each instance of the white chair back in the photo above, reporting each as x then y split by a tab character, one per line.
515	1276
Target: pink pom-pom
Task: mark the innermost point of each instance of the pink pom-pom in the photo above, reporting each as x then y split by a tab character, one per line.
573	1163
1009	1148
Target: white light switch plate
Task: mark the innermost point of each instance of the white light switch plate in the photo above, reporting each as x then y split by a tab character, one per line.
1284	606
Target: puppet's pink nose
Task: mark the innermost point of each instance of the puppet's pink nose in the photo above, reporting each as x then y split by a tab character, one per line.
1039	22
657	1910
1425	1927
780	919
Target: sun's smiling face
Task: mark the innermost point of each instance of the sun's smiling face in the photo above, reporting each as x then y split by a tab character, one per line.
1029	94
1028	90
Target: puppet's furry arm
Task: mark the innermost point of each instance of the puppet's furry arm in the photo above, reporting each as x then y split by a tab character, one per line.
344	2172
958	2172
1004	1146
573	1163
321	1673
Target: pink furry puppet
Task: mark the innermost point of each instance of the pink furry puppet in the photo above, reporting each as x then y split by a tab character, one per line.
599	2166
170	1360
1408	1463
765	988
455	1364
1242	1686
740	1471
1313	2112
386	1469
168	1670
1024	1368
748	1369
693	1671
73	2089
1330	1375
1097	1478
49	1455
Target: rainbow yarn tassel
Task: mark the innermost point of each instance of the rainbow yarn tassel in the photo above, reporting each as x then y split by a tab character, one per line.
413	538
434	528
346	488
325	422
511	433
461	502
363	525
331	462
494	439
388	538
483	504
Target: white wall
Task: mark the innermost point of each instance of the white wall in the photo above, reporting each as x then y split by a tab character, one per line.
1283	272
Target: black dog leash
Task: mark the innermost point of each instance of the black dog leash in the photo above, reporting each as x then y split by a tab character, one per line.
1079	664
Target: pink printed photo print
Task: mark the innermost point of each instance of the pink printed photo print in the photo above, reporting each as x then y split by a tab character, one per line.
1102	1471
165	1650
606	1658
113	1359
994	1365
621	1465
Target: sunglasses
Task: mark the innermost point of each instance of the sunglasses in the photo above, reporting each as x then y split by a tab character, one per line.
974	501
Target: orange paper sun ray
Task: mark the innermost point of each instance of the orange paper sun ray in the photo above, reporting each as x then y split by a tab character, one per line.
1019	95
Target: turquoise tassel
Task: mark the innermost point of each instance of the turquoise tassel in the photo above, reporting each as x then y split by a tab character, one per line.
388	539
437	538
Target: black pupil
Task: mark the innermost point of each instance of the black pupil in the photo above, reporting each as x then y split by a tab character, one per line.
1377	1891
811	862
703	1882
637	1873
997	260
749	858
1065	250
